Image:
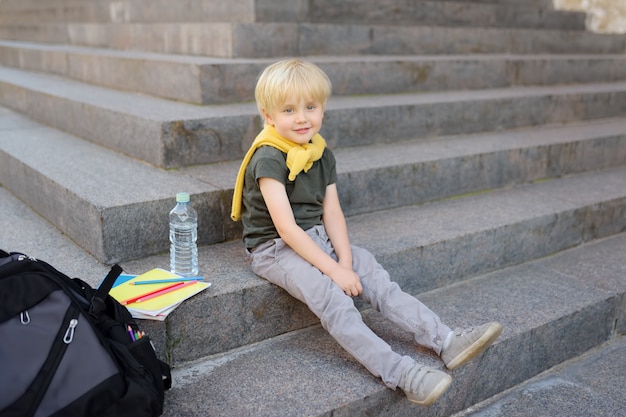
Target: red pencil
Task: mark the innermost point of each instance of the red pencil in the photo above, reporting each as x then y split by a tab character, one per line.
166	290
137	297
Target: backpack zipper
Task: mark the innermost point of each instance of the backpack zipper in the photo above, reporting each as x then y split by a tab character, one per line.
48	370
24	317
69	333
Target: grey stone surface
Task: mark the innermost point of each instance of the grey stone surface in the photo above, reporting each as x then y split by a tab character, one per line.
127	11
553	309
25	231
214	80
600	266
106	202
54	13
549	317
418	171
171	134
452	239
160	132
380	39
238	40
51	32
448	242
545	258
445	13
488	233
590	385
430	170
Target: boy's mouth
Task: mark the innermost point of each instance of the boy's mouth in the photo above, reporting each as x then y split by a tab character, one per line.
303	130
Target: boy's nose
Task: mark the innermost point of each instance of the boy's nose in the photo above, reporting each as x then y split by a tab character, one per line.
300	117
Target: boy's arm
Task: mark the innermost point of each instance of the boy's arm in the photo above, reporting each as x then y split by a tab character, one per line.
277	203
335	225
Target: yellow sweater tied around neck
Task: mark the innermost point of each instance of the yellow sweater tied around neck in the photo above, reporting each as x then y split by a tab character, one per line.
299	158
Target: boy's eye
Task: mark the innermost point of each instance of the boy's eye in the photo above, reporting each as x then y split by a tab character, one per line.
311	107
288	110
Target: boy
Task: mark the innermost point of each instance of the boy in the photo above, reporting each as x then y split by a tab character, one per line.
295	232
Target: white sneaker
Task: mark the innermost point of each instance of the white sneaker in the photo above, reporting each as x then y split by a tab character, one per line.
468	343
423	385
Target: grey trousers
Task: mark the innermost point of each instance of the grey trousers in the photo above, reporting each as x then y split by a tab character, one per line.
280	265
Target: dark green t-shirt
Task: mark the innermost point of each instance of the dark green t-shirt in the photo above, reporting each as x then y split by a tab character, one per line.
306	193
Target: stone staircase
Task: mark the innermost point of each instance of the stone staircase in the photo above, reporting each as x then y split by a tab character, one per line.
481	150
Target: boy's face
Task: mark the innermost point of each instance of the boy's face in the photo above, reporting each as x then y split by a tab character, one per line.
298	120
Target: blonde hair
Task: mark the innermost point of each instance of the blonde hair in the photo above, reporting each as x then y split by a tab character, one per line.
289	77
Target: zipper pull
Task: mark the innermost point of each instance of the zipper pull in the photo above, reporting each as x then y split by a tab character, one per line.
24	317
69	334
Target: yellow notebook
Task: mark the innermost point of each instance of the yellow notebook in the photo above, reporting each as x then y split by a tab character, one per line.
156	307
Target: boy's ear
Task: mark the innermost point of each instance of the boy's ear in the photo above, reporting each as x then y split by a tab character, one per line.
267	117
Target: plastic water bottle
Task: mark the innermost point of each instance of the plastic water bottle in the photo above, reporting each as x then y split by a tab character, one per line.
183	236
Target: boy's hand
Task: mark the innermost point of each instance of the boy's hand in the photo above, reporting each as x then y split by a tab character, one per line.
347	280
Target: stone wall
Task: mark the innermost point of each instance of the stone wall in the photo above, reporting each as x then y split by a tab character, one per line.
606	16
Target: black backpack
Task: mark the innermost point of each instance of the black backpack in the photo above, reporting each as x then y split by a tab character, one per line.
66	350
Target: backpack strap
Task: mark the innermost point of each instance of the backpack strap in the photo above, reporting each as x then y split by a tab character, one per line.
8	257
97	301
166	374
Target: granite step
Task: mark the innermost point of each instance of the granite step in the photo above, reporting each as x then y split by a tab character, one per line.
482	223
54	12
588	385
536	3
446	13
110	204
121	11
174	134
553	309
205	80
258	40
424	247
118	194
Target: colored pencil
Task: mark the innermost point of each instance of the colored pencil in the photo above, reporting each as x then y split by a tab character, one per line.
137	297
166	280
166	290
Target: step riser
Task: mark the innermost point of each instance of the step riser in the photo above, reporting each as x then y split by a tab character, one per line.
56	14
97	229
51	33
580	332
545	4
331	11
179	143
130	11
529	352
443	13
534	351
364	126
384	188
264	311
194	83
234	82
322	39
282	39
